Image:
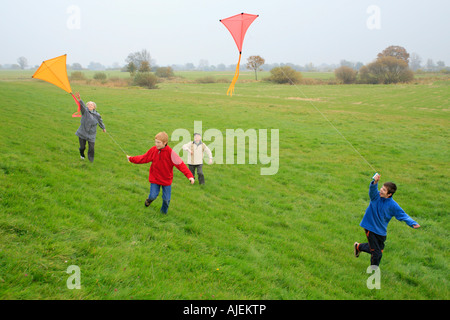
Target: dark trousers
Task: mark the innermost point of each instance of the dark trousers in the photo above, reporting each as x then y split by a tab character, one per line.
375	247
199	167
91	149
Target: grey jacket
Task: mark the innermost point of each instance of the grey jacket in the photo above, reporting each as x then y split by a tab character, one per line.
89	121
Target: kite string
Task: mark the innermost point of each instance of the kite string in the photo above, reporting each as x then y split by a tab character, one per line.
116	142
334	127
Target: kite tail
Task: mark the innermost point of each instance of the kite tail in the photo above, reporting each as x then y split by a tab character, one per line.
78	113
236	76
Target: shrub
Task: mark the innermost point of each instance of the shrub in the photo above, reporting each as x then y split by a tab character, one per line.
365	76
77	75
145	66
100	76
346	74
164	72
146	80
207	79
386	70
285	75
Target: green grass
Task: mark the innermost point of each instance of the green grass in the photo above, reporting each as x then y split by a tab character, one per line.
244	75
242	235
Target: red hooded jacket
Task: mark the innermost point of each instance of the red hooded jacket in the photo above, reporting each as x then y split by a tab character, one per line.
163	160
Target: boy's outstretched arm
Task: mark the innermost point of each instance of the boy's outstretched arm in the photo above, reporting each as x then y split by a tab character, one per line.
184	169
145	158
401	215
180	165
101	124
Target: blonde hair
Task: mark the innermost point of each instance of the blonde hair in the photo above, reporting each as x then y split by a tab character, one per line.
162	136
92	103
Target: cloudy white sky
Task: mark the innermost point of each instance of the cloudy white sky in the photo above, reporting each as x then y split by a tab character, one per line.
187	31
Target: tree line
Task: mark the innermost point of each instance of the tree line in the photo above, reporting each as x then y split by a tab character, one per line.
390	66
393	65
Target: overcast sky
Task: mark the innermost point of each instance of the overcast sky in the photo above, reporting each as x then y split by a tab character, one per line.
187	31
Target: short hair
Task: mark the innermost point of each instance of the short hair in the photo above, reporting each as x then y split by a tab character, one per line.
162	136
93	103
391	187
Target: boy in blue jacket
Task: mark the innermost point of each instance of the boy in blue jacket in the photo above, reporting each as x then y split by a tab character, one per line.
376	219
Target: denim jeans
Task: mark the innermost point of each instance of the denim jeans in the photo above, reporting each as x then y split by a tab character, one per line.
166	193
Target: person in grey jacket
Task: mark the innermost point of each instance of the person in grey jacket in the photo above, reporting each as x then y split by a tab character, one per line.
87	131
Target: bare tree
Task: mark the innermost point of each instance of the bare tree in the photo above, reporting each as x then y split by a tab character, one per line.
23	62
203	65
254	62
138	57
415	62
430	65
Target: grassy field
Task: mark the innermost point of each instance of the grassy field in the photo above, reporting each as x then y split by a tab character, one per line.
242	235
180	75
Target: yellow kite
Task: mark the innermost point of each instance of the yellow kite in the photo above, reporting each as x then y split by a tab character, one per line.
55	71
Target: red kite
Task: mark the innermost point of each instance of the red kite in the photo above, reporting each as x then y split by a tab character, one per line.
55	71
238	25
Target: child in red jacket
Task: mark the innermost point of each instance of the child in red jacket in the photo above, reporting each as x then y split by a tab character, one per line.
163	160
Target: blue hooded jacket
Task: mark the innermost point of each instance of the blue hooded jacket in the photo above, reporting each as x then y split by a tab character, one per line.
380	211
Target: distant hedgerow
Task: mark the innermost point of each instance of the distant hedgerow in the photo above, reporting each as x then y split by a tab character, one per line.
77	75
207	79
100	76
